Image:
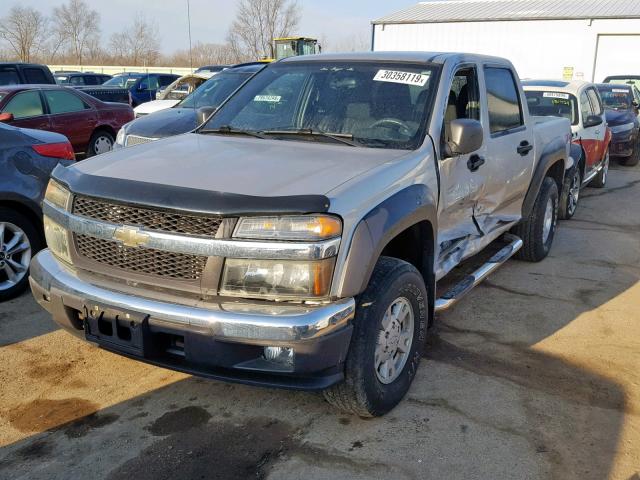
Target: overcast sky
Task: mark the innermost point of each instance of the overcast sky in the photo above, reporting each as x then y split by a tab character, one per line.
337	21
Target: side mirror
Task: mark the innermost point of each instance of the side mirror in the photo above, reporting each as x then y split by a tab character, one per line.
203	114
466	136
6	117
593	121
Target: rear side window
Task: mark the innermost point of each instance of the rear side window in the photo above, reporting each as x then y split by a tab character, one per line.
9	76
24	105
503	100
166	80
149	83
35	75
585	106
596	104
60	101
77	80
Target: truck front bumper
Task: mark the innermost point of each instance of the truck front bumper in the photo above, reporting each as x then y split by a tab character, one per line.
223	340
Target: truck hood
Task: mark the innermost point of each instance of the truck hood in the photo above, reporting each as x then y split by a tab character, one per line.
619	117
239	165
165	123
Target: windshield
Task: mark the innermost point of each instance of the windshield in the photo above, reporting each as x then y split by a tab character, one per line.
214	91
616	98
61	79
553	104
121	81
625	81
374	104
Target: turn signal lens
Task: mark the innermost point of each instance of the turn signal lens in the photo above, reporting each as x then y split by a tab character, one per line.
57	194
296	227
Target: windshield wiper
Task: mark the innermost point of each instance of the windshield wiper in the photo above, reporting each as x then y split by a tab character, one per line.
229	130
346	138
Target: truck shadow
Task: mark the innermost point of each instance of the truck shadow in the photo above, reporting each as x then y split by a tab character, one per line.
522	379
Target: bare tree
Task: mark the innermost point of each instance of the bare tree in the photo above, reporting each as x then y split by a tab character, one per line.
258	22
76	23
138	43
205	54
24	30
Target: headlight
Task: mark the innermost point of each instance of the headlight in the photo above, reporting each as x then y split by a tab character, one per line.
277	279
57	239
295	227
622	128
57	194
120	137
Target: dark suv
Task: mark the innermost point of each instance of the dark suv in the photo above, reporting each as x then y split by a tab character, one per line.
21	73
75	79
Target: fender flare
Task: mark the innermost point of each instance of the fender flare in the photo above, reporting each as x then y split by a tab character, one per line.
378	227
555	151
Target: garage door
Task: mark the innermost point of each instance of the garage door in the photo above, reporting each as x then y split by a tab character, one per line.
617	55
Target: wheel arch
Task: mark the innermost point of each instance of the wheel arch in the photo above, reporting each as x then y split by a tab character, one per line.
552	164
26	207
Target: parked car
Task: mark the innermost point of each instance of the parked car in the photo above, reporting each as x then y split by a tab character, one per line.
622	116
295	240
18	73
172	95
80	78
578	102
27	158
89	123
184	116
212	68
138	87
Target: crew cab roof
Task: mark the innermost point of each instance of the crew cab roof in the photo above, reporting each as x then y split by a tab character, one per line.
409	57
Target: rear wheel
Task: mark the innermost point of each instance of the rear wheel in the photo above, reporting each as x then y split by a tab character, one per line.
570	193
101	142
19	240
537	231
600	180
390	329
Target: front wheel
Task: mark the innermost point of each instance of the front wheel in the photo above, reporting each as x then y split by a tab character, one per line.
390	329
634	159
570	193
100	142
537	231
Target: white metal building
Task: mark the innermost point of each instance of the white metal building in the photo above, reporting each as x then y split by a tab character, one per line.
571	39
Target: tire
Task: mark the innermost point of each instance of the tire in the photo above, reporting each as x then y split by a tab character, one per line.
634	159
369	389
570	193
13	253
101	142
600	180
537	231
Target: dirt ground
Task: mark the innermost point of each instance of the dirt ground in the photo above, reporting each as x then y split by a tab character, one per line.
535	375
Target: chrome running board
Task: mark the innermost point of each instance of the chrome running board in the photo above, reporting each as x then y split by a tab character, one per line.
463	287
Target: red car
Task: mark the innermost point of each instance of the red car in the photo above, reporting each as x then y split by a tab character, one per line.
90	124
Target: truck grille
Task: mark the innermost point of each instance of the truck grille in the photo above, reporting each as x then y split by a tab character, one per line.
137	140
149	218
141	260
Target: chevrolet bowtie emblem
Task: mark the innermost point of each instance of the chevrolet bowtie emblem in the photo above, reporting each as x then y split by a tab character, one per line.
130	236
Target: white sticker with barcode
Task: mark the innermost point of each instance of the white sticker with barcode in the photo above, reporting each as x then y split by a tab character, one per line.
407	78
267	98
619	90
564	96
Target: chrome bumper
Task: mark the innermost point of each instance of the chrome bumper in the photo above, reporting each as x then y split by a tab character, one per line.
61	292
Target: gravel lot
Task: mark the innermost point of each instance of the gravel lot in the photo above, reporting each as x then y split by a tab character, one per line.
535	375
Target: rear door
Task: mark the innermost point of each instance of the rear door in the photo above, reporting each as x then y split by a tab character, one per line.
28	110
71	116
601	130
510	149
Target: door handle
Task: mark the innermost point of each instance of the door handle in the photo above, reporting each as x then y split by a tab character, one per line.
597	132
524	148
475	162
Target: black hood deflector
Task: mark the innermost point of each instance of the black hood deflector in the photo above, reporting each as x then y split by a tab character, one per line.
185	199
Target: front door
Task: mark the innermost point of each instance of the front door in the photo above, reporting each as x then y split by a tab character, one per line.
71	116
591	137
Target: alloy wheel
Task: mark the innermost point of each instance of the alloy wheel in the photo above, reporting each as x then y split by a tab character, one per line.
15	255
394	340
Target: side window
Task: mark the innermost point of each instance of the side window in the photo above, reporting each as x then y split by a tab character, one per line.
77	80
35	75
25	104
503	100
9	76
149	82
596	104
463	99
63	102
166	80
585	106
91	80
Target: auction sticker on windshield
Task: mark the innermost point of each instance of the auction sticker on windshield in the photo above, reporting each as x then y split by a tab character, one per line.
267	98
408	78
564	96
619	90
